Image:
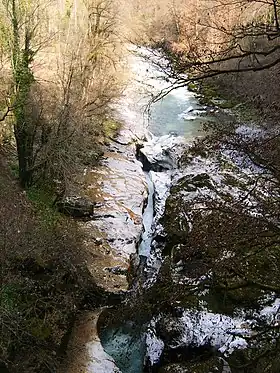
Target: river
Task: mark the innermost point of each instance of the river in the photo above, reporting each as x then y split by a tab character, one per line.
171	122
154	329
179	113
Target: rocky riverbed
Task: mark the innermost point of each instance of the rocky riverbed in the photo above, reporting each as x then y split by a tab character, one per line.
195	300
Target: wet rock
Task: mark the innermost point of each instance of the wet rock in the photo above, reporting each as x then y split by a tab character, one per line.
135	270
78	207
176	219
134	266
162	153
162	182
174	222
118	190
194	342
170	331
86	353
191	183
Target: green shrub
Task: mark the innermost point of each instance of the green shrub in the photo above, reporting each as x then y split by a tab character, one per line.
42	200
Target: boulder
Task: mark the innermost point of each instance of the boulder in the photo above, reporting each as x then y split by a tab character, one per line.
170	331
176	219
191	183
162	153
77	207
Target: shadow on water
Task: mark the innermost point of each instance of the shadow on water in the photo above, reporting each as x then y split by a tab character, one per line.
124	340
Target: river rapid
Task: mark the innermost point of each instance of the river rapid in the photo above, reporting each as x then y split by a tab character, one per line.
168	127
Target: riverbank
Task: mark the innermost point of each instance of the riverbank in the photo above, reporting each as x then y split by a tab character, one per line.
44	280
53	266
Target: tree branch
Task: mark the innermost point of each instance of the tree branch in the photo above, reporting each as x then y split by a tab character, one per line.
9	109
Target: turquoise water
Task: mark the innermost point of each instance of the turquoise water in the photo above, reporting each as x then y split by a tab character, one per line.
178	113
127	346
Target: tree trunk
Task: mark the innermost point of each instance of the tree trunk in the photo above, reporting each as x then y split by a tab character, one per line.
24	154
23	79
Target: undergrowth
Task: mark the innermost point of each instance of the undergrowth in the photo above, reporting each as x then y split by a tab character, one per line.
44	280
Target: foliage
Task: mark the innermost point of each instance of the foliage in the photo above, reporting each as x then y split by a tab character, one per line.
235	42
42	200
44	279
111	128
59	109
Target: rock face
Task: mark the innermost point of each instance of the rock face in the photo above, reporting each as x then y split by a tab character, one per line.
162	182
177	215
209	211
85	352
118	190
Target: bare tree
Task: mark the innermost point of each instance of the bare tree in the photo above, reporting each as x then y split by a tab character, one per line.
225	37
63	77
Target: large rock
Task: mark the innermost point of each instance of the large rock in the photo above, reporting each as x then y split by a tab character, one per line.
118	190
162	183
186	191
162	153
191	340
78	207
85	352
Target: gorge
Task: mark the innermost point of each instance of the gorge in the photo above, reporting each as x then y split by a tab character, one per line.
193	331
139	186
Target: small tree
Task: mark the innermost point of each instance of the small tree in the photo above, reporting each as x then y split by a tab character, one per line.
20	27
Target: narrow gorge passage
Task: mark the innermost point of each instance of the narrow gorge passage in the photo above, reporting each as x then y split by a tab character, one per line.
171	125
